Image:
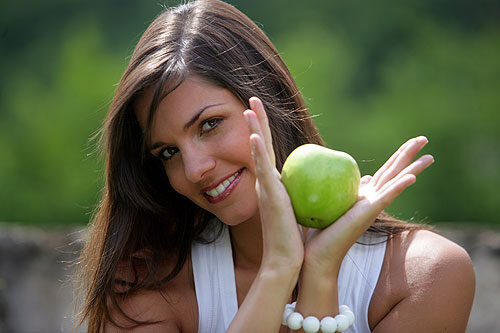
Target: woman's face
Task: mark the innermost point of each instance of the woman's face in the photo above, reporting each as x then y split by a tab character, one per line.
201	136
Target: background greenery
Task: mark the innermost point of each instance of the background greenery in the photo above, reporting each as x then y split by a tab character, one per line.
375	73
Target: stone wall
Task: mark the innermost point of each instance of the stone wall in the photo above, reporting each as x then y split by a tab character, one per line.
35	286
36	297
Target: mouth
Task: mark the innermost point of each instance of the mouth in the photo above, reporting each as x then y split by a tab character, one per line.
223	189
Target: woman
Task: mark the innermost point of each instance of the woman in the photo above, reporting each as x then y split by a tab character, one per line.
195	231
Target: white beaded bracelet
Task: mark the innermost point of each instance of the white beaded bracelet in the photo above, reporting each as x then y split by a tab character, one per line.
311	324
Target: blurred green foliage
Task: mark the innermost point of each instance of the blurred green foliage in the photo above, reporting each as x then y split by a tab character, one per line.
374	73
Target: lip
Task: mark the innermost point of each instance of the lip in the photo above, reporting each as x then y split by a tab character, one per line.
226	192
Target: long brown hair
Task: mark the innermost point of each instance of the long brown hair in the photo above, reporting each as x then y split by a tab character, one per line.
139	209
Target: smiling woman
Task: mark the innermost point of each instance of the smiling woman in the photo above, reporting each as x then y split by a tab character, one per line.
196	232
200	134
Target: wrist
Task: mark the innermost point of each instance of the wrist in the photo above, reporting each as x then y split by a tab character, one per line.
280	274
324	268
282	265
318	293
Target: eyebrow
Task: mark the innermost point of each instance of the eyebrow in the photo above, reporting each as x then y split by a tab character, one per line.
188	124
197	115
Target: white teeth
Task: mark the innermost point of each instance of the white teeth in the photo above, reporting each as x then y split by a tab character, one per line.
222	186
212	193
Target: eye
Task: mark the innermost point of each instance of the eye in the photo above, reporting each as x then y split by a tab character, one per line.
167	153
210	124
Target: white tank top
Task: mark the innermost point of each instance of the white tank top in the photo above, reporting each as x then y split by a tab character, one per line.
215	284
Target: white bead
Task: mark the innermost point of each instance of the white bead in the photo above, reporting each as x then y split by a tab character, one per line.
311	324
342	322
294	321
288	311
290	306
343	308
328	325
350	315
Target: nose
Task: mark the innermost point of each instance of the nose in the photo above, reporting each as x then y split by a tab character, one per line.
197	163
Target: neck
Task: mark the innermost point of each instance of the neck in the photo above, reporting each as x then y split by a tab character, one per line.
246	241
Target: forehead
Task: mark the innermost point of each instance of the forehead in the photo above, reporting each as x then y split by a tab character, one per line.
191	95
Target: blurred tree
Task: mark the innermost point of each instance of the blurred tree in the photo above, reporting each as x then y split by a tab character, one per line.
375	74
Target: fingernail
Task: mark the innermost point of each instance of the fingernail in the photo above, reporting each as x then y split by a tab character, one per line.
252	101
255	103
365	179
247	114
422	139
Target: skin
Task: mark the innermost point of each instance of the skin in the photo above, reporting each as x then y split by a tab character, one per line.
426	282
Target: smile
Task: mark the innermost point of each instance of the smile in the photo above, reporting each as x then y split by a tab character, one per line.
224	188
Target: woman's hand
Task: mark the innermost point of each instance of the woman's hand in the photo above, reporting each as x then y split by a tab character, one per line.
325	249
282	241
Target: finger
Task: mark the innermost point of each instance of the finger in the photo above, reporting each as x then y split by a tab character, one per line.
414	169
257	106
394	190
263	168
255	128
401	161
252	122
364	185
365	179
389	162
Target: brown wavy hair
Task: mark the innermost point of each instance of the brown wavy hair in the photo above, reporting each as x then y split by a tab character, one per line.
139	209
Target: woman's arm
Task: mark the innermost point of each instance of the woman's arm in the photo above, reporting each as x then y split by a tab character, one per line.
325	249
263	306
283	250
427	285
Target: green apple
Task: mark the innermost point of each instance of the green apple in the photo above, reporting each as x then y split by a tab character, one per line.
322	184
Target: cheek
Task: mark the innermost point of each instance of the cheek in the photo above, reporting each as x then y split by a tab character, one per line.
237	143
175	178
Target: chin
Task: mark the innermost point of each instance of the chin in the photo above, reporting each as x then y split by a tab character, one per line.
239	217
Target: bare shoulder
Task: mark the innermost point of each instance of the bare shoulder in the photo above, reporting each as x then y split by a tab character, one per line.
434	252
432	258
427	280
172	308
